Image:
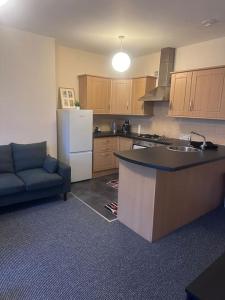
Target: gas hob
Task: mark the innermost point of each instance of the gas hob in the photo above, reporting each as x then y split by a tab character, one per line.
149	140
150	136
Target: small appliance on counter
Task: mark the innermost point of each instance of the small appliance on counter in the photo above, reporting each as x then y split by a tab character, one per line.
126	127
97	130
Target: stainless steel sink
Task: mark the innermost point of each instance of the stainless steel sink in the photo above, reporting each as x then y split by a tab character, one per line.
183	149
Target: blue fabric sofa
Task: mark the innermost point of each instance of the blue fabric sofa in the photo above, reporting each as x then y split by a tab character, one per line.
28	173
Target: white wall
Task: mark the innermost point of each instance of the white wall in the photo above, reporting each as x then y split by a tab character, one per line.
27	88
145	65
73	62
206	54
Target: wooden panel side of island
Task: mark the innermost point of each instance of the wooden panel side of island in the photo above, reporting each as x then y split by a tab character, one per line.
185	195
136	198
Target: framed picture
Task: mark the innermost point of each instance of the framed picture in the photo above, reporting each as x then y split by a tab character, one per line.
67	97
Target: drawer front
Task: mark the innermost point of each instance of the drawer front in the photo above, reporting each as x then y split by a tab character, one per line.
105	144
125	144
103	161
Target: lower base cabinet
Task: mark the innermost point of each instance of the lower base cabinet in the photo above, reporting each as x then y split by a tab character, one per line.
104	160
124	144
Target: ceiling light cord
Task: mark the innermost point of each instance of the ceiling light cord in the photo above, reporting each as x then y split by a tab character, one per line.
121	37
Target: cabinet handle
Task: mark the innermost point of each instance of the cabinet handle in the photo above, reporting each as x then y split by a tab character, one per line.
105	154
191	105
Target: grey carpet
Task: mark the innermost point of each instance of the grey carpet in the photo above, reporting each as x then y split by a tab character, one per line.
63	250
96	193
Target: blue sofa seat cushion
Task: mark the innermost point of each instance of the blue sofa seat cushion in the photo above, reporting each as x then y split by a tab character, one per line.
10	184
6	162
36	179
29	156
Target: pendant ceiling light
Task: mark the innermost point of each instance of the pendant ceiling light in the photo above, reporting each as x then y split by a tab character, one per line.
2	2
121	60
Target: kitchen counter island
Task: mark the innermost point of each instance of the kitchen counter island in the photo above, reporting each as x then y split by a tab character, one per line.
161	190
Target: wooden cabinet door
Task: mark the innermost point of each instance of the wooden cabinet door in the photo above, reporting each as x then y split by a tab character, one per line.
105	144
121	96
103	161
222	109
180	94
98	94
207	93
103	154
140	86
138	91
125	144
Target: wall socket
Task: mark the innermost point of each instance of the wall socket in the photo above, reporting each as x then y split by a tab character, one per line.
156	73
184	137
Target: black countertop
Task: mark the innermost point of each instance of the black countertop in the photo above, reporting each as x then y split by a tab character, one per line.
163	140
160	157
166	160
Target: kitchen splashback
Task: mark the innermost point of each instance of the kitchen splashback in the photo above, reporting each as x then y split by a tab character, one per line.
161	124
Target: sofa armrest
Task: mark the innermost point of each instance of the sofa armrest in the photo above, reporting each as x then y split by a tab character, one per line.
65	171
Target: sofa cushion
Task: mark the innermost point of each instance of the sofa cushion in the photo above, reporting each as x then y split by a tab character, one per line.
50	164
10	184
28	156
36	179
6	162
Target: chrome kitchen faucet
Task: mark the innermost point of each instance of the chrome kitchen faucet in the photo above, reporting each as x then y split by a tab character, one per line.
203	146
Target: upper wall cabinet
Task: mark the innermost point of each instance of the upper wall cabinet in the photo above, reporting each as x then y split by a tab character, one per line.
115	96
140	86
94	93
180	94
121	91
198	94
207	94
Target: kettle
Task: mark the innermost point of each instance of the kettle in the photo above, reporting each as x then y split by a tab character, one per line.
126	127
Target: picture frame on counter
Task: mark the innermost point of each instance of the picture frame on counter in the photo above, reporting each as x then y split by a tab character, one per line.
67	97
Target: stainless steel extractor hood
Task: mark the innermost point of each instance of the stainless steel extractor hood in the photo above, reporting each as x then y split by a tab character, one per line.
162	92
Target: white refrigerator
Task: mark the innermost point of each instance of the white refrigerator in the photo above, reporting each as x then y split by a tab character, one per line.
75	135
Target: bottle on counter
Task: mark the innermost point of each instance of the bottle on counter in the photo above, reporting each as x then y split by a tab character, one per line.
114	127
139	130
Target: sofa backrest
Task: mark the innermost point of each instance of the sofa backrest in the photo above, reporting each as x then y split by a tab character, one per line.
28	156
6	161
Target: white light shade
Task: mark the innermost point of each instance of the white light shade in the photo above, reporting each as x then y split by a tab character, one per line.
121	61
2	2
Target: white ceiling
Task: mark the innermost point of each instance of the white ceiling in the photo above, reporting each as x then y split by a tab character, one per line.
94	25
